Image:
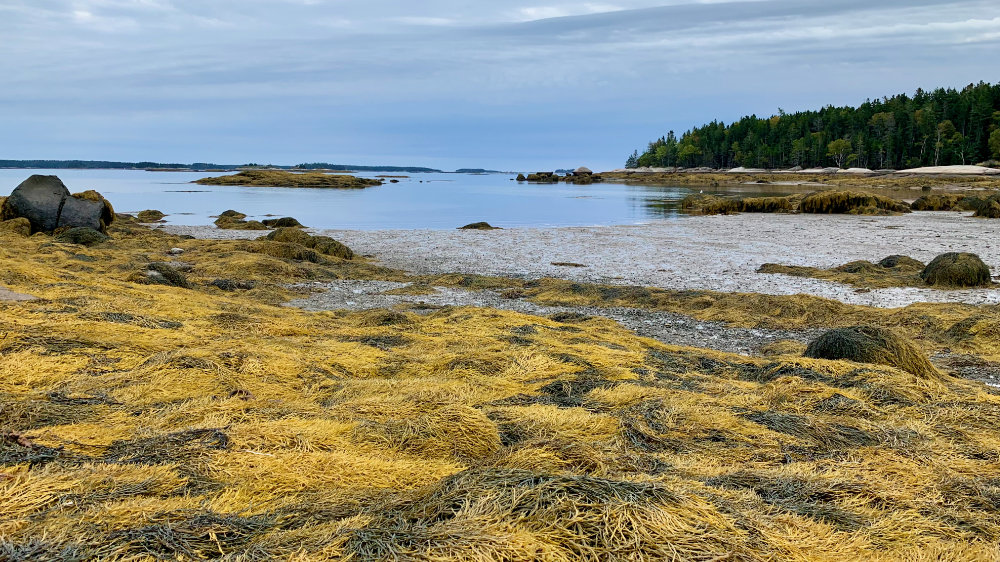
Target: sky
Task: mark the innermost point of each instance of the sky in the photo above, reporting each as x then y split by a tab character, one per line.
518	85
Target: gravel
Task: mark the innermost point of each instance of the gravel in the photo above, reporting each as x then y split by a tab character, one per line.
674	329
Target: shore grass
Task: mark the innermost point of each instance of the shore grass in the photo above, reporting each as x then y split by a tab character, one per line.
280	178
151	422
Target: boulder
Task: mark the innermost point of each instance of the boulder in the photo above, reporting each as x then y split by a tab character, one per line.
478	226
583	171
47	204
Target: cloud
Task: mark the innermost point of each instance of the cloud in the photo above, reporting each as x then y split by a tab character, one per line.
485	82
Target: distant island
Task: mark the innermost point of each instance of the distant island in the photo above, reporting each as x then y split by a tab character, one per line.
198	166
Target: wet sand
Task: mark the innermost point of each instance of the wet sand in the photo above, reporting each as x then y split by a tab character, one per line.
720	253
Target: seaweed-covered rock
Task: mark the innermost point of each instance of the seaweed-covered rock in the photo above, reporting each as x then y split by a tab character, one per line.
900	262
989	208
82	235
283	222
709	205
234	220
957	269
850	202
288	251
478	226
231	285
47	204
329	246
292	235
870	344
150	215
521	177
19	225
940	202
859	266
159	273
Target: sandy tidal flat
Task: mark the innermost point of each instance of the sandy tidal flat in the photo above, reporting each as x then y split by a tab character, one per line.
720	253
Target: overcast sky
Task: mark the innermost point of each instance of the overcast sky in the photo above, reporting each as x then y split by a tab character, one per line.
514	85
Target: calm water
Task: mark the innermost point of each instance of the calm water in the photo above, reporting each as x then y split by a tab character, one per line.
436	201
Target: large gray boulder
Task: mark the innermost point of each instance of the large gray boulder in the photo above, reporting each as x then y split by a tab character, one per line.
47	204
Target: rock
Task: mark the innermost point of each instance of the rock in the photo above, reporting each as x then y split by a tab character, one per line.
175	251
292	235
478	226
159	273
230	285
47	204
231	214
284	222
82	235
520	177
19	225
583	171
869	344
956	269
331	247
150	215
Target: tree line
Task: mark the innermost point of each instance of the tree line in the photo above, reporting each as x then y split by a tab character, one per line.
938	128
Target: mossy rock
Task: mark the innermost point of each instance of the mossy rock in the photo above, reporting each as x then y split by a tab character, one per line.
940	202
478	226
870	344
957	269
231	214
290	235
20	226
150	215
901	262
283	222
521	177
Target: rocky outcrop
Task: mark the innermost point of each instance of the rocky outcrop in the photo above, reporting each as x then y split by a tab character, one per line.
48	205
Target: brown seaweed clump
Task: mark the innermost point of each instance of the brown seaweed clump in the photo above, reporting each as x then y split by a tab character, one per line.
956	269
869	344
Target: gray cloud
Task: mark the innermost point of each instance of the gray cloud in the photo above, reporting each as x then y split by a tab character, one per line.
450	83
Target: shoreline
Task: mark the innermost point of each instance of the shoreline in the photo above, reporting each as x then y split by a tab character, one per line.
696	253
